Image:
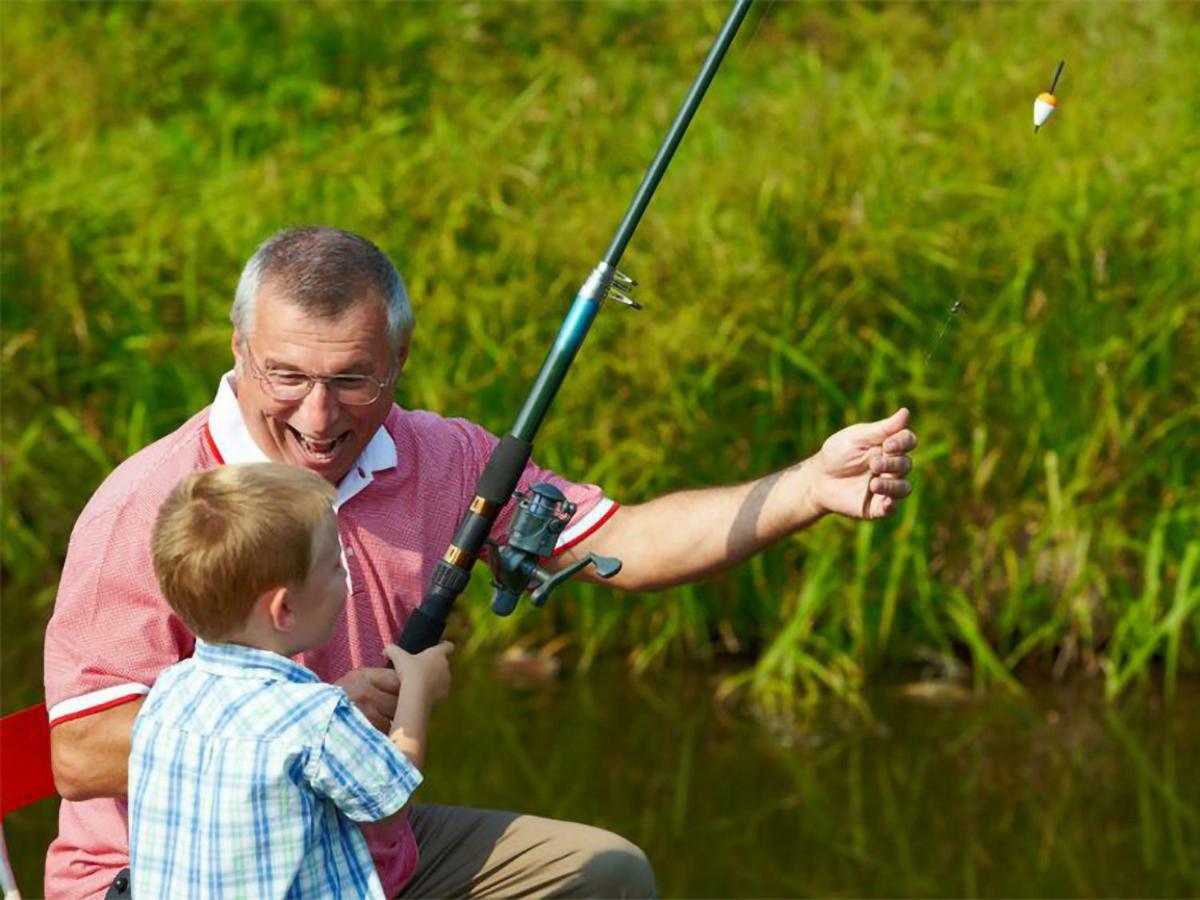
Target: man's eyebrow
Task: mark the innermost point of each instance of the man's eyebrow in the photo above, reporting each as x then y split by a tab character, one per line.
362	367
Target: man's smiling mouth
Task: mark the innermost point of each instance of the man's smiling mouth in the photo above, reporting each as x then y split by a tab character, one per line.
316	450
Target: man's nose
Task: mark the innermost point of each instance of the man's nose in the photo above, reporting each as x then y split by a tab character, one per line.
318	412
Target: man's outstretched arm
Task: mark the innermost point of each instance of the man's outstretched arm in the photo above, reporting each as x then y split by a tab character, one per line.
860	472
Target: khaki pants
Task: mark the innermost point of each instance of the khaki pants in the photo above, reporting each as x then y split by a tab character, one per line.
485	853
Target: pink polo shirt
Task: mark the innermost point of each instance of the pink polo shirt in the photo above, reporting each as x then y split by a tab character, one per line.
112	633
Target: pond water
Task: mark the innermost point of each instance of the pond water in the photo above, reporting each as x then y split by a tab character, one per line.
939	795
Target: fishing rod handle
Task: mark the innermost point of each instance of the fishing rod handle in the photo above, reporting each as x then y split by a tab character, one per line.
453	571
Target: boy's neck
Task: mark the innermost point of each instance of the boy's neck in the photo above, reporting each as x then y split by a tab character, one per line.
262	639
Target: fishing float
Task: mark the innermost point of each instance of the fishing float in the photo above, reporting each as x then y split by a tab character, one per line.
1046	103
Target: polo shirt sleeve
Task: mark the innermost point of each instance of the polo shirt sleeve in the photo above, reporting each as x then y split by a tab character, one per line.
592	507
359	769
112	632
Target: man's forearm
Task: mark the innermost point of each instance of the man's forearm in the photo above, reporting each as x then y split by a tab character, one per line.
90	756
688	535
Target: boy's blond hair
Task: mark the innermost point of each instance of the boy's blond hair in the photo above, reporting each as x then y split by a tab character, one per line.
226	535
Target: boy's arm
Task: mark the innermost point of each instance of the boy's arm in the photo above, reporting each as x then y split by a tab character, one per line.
410	725
409	735
424	680
358	769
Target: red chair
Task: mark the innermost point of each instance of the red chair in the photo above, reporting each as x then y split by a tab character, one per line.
25	773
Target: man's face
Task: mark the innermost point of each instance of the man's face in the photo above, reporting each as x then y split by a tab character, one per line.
318	432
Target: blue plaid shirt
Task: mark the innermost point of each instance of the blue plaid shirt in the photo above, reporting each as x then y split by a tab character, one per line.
247	777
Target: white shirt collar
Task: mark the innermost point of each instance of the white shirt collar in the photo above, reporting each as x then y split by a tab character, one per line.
233	441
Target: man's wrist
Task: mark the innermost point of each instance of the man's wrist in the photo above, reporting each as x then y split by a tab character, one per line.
804	486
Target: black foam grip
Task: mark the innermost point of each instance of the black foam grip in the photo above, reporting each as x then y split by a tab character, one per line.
504	469
422	632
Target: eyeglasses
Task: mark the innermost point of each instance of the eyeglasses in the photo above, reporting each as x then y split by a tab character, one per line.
291	385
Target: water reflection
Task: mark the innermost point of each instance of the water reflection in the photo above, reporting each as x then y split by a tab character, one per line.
1054	796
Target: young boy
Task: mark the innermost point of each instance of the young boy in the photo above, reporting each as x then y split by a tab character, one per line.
247	774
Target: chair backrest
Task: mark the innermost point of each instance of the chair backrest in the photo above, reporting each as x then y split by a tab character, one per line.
25	773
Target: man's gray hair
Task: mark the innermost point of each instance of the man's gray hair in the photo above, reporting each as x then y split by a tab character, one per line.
324	271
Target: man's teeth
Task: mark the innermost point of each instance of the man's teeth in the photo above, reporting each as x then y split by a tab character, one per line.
319	448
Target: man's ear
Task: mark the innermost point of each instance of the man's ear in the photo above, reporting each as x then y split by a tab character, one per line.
235	344
276	602
402	353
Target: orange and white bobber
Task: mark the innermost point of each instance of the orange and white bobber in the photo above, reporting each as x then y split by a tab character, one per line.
1043	107
1046	103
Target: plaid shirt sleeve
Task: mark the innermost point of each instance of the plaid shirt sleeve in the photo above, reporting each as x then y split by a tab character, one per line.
359	769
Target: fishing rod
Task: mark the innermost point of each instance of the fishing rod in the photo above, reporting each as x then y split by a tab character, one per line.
542	514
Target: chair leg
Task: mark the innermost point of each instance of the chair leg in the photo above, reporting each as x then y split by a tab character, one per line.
7	880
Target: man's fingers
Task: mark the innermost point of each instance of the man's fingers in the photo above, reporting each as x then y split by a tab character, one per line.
384	701
890	487
379	720
375	692
890	465
382	679
900	443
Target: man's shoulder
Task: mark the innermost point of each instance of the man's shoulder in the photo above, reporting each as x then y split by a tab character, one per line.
144	479
414	429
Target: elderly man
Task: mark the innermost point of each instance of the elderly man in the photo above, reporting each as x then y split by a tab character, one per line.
321	333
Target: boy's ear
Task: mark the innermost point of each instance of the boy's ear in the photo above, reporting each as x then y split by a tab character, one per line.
277	604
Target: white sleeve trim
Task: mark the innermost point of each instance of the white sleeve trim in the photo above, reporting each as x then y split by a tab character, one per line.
581	527
96	700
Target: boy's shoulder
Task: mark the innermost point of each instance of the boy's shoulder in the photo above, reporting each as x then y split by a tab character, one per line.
200	701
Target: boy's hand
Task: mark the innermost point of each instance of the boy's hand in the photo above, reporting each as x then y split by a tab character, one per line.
427	671
374	692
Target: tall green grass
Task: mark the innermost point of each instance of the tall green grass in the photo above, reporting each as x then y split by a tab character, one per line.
855	169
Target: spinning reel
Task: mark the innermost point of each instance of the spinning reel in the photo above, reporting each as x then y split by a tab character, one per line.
541	515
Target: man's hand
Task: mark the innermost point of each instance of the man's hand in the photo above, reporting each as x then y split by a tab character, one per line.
374	692
859	471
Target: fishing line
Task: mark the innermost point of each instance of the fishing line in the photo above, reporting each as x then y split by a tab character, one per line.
954	310
1044	106
758	27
